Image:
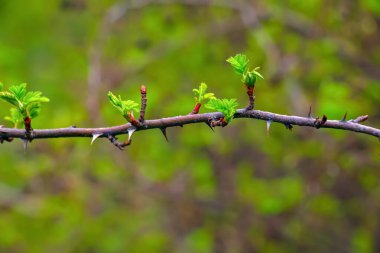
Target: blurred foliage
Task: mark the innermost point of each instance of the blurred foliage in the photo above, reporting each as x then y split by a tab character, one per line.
237	190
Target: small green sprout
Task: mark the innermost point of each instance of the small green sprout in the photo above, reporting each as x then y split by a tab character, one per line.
240	64
125	107
225	106
201	95
27	105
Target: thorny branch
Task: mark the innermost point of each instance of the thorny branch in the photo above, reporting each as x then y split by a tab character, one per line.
163	123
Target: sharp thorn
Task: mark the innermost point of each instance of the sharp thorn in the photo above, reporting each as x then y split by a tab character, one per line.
288	126
94	137
344	119
163	130
25	144
209	125
131	130
309	114
269	122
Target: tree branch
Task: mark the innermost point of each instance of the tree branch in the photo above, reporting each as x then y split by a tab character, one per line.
163	123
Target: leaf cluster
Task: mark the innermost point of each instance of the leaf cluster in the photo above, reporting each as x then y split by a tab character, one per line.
225	106
239	63
26	104
125	107
201	95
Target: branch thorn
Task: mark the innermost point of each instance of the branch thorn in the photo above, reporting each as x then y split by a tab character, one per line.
269	122
288	126
344	119
163	130
309	114
320	122
131	130
209	125
94	137
25	144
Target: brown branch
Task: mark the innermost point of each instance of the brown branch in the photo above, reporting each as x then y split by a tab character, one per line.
143	104
6	133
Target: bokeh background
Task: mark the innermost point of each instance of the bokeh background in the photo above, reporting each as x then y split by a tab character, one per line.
235	190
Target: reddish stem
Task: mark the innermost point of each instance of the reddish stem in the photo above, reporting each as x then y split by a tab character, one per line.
196	108
28	127
250	90
134	122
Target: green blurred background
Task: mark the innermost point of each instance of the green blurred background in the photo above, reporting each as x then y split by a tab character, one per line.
235	190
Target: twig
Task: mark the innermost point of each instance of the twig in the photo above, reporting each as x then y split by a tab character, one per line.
6	133
143	104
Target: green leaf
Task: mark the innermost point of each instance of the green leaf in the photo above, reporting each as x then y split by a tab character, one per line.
15	117
34	97
125	107
201	94
1	86
34	110
225	106
239	63
18	90
10	98
28	104
256	73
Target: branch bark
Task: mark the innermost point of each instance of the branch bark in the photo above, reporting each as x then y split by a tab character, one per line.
351	125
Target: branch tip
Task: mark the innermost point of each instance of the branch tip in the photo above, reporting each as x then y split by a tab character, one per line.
143	104
360	119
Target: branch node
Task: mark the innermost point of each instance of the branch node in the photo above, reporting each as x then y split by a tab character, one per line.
217	122
28	129
318	123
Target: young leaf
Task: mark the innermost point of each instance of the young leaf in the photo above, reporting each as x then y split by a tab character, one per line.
28	104
225	106
239	62
201	95
15	117
18	90
249	77
10	98
125	107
